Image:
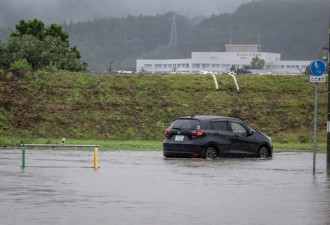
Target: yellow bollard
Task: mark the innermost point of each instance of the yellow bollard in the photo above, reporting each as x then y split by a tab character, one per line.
96	164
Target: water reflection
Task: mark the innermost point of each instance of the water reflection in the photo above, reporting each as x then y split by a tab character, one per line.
60	187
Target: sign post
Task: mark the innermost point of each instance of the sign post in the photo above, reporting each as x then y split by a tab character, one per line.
318	69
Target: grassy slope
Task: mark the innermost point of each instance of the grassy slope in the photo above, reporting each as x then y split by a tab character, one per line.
140	107
149	145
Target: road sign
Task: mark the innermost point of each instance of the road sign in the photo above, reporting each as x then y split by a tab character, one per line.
317	68
317	79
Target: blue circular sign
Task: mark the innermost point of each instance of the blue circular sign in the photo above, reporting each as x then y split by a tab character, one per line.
318	68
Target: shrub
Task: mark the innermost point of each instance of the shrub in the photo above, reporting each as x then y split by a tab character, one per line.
9	75
20	65
3	143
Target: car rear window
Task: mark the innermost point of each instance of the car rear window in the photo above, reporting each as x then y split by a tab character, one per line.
186	124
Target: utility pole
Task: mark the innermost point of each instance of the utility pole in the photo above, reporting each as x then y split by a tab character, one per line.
174	34
110	66
328	122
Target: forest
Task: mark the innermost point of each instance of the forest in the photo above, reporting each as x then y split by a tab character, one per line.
296	29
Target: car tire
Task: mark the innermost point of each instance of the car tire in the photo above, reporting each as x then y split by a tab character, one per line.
264	153
210	153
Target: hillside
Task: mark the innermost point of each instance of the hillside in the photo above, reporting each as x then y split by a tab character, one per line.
140	107
296	29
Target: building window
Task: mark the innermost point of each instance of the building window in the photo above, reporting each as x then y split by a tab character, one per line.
147	65
195	65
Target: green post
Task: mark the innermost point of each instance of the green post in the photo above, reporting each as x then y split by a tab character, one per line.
23	156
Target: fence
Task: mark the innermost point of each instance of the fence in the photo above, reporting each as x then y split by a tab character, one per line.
61	146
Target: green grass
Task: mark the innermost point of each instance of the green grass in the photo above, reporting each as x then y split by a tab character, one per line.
297	147
104	145
146	145
45	104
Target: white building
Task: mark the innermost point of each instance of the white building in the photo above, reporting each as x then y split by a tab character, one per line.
221	62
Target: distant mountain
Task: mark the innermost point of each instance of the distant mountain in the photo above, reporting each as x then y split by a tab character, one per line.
295	28
122	40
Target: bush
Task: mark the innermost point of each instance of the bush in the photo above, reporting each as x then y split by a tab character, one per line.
3	143
20	65
9	75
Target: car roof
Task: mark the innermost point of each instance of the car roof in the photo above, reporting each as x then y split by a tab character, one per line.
207	117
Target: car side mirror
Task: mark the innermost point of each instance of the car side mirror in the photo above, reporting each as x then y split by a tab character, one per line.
249	133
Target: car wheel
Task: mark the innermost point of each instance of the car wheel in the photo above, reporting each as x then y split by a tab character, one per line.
210	153
264	153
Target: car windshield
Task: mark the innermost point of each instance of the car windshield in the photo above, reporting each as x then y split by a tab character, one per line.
185	124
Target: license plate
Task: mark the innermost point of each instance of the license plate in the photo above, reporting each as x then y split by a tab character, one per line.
179	137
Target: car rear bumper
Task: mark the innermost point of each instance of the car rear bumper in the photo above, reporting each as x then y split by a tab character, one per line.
182	150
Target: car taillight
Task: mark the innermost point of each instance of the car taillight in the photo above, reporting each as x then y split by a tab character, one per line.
196	133
167	132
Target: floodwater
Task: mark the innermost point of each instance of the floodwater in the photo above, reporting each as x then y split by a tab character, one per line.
61	187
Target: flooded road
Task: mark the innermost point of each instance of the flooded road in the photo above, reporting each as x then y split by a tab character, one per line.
61	187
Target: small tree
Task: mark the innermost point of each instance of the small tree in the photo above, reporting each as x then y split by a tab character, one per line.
239	70
34	27
55	30
257	63
40	47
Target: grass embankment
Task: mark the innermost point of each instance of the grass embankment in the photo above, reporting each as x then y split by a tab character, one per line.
52	105
149	145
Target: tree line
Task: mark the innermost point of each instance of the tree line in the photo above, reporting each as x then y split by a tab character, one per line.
293	29
296	29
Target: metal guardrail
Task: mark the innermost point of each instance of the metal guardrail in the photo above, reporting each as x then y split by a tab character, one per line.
61	146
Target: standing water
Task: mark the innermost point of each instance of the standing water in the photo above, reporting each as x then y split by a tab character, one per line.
61	187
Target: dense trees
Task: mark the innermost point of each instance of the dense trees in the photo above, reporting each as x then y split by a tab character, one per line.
292	28
40	47
122	40
284	27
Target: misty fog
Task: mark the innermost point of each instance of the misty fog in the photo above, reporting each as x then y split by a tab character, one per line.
58	11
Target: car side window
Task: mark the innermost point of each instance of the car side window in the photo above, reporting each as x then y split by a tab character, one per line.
237	127
219	125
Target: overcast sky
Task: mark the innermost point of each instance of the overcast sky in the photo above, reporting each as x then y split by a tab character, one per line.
57	11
